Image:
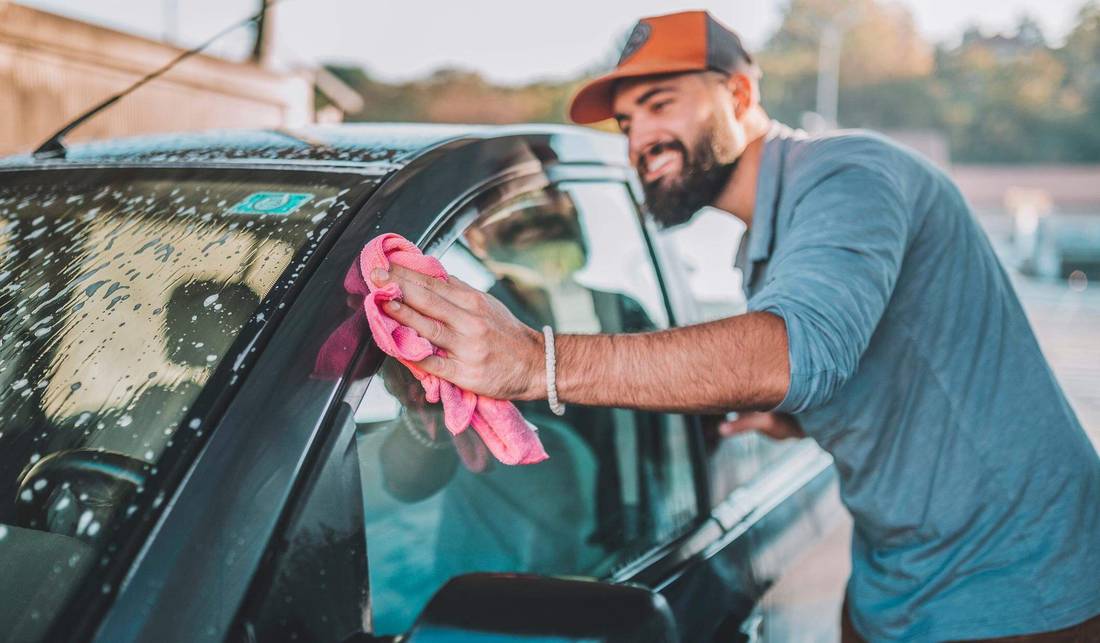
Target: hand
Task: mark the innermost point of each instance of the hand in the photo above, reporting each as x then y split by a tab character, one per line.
779	426
488	350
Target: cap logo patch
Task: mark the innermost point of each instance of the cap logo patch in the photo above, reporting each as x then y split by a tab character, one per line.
638	37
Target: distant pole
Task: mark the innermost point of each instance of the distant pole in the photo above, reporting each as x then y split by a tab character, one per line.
828	65
828	73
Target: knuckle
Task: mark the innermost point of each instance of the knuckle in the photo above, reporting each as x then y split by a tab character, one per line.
437	330
478	328
477	302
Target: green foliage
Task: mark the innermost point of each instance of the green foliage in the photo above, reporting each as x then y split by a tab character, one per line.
1005	98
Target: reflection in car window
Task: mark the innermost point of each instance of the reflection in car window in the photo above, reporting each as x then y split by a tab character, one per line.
706	248
617	483
119	297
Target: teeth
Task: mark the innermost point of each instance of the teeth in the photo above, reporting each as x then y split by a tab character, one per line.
661	161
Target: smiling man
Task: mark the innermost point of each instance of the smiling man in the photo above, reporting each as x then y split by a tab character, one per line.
880	324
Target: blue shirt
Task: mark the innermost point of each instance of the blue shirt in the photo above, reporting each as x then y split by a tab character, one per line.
974	490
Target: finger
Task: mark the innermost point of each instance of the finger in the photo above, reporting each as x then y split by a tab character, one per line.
431	304
441	367
429	328
464	294
404	275
746	422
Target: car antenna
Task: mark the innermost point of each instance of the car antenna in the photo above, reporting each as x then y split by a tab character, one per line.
54	147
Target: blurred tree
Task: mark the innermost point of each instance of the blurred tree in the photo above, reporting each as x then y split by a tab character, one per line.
1006	98
880	43
1081	54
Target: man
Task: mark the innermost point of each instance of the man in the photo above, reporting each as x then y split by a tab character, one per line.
879	322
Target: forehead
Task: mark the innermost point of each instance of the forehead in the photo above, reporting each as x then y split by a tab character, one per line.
628	91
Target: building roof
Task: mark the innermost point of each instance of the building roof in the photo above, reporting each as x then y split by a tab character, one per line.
1073	189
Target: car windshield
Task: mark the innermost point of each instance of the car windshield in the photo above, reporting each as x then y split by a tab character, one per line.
121	293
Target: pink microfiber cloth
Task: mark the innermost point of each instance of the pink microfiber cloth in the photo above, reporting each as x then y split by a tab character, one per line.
499	423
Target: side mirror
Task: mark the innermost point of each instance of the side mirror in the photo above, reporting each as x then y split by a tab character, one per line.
497	607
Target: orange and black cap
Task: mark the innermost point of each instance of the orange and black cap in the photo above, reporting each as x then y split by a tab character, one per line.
677	42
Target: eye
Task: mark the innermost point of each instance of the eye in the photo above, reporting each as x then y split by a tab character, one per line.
660	105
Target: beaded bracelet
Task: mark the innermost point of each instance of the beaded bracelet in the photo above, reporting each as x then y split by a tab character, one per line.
551	378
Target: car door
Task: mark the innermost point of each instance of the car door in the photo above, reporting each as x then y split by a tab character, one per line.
619	485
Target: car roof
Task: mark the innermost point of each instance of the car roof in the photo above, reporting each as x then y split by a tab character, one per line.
380	146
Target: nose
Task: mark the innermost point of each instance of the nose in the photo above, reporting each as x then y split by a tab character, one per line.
642	137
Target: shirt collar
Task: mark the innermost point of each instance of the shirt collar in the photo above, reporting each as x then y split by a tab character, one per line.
768	183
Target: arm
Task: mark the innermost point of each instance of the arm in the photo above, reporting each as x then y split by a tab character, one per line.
832	278
734	363
828	286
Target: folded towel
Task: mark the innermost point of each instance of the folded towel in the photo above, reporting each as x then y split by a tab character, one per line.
499	423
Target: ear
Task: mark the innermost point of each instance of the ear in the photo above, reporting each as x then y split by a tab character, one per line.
743	89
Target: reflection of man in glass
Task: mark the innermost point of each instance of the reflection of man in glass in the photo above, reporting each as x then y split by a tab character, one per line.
879	322
490	517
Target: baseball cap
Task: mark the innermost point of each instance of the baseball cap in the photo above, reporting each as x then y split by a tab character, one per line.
676	42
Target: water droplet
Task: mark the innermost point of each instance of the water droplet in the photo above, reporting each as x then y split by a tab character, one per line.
209	300
26	496
84	521
35	457
62	504
93	528
211	358
18	384
40	484
3	532
125	421
195	423
149	455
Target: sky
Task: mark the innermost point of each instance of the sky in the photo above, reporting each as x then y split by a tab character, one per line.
507	41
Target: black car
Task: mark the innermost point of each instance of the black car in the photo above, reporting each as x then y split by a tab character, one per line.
199	440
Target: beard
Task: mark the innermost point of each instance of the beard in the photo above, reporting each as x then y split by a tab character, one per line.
674	200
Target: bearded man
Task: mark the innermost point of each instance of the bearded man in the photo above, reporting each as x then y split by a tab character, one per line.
880	323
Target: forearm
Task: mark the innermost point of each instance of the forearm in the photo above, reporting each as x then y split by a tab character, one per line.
738	363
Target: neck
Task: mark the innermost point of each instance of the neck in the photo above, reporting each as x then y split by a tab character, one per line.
738	197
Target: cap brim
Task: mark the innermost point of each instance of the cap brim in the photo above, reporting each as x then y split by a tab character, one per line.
592	102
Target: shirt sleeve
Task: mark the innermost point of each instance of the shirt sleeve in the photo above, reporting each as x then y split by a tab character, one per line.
830	277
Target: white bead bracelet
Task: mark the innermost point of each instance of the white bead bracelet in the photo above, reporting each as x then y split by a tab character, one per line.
551	379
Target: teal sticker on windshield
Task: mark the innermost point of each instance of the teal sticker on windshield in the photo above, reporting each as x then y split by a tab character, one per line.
271	203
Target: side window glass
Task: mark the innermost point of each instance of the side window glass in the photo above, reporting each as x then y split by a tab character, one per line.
617	483
705	249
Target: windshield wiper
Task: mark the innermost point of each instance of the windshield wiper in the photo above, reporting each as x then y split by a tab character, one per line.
54	147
